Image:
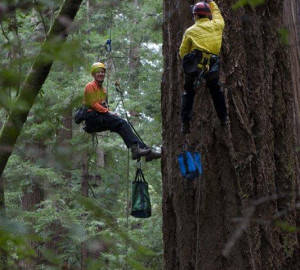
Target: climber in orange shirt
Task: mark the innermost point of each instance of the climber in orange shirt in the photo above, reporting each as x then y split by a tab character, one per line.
100	118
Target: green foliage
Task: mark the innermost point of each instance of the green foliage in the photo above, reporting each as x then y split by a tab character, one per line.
14	242
284	36
253	3
44	175
286	227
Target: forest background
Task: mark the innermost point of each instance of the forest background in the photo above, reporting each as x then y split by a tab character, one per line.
64	198
47	225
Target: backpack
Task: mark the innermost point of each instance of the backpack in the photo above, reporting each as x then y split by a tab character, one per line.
80	114
141	205
190	62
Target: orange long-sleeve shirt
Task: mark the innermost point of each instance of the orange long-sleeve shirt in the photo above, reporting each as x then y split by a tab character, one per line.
94	95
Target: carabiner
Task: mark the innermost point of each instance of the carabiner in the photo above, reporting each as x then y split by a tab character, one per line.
108	45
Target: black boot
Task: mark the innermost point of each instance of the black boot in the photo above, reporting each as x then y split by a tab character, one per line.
137	152
185	127
152	155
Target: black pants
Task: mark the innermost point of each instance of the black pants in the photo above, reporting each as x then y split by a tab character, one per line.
98	122
216	93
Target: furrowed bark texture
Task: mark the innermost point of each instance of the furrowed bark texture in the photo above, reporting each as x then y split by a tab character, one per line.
292	20
250	167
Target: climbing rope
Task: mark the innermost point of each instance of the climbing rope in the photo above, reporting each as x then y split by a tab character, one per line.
127	210
108	42
120	91
108	48
94	140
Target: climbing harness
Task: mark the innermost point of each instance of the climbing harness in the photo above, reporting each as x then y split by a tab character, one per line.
201	75
141	204
208	68
196	63
189	162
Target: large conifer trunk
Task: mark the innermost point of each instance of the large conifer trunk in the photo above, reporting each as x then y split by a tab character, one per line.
292	19
250	167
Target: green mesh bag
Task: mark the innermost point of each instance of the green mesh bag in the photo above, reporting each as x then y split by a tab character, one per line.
141	205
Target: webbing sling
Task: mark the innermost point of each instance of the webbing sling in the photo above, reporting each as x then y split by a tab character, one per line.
186	164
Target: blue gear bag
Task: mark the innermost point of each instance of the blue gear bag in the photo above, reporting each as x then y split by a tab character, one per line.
190	164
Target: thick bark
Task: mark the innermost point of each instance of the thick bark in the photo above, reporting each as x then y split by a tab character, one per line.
249	167
292	19
179	219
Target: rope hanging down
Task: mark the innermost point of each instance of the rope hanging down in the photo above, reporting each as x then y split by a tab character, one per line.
120	91
108	48
108	42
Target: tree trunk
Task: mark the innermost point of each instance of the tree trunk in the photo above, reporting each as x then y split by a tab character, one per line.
292	19
84	193
249	167
29	200
3	255
63	147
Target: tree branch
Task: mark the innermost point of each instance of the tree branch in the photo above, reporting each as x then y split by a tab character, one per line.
41	16
35	79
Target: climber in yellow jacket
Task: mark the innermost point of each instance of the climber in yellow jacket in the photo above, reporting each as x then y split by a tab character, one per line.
199	51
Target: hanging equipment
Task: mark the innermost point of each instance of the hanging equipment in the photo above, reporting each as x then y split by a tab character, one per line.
189	162
140	198
108	42
108	45
108	48
141	204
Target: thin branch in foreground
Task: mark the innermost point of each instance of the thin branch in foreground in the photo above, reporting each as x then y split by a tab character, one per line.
245	222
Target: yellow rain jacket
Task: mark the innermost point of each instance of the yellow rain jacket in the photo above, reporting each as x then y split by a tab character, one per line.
205	35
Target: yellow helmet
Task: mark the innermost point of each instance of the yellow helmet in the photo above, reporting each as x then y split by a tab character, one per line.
96	66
